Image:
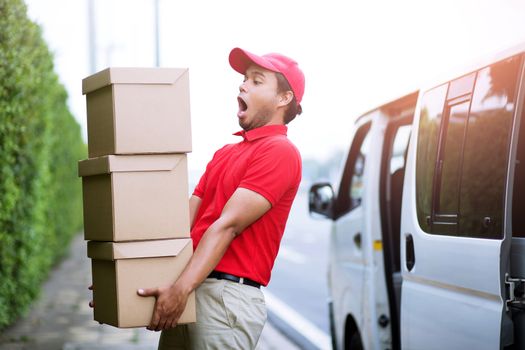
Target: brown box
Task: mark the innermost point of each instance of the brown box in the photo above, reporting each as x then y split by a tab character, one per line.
137	111
135	197
120	269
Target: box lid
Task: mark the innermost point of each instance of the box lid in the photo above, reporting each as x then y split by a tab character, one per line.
128	75
137	249
124	163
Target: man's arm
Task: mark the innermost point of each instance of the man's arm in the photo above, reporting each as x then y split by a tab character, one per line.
242	209
195	203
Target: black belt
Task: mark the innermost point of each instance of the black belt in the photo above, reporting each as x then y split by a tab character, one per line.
225	276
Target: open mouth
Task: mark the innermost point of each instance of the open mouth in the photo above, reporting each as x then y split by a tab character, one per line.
243	106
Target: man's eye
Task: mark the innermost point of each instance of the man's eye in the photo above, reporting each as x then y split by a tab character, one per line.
257	82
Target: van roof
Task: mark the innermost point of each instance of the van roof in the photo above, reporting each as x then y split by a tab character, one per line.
393	107
475	64
405	101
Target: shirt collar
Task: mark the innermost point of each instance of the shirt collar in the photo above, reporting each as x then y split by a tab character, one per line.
263	131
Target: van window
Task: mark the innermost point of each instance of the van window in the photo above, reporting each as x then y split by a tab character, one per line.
486	151
428	136
518	192
396	176
463	153
450	158
351	187
356	186
399	149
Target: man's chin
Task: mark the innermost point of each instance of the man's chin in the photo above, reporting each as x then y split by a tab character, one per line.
255	122
243	125
246	128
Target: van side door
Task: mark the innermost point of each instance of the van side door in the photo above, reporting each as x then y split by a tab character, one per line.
454	237
347	258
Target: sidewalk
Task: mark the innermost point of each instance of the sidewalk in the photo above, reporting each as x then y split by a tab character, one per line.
62	320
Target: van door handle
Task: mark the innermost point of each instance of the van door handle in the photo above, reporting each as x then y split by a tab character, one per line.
410	254
357	240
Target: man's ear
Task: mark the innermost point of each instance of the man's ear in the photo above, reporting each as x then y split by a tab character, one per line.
285	98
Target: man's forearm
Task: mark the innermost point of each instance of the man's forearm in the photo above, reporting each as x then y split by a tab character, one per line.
209	252
171	300
242	209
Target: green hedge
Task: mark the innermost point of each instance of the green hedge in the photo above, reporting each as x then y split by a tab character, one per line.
40	144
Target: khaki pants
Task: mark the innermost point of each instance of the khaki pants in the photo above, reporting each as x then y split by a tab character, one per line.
229	316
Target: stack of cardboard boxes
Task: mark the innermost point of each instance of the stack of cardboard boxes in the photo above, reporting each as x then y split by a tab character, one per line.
135	188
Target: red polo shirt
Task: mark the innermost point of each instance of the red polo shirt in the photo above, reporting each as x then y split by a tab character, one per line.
265	162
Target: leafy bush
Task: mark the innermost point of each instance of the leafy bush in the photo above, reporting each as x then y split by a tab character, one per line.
40	144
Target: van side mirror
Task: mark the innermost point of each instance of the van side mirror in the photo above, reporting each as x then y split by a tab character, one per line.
321	200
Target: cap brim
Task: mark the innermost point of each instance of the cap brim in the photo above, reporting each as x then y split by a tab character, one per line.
241	59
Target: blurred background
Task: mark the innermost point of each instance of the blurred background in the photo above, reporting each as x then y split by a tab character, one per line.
355	55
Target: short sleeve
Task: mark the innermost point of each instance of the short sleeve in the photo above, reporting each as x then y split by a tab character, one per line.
199	189
274	169
201	186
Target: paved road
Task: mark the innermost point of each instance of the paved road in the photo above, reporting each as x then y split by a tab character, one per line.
299	275
296	298
62	319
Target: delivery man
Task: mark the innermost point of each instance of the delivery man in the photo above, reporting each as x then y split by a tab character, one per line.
238	215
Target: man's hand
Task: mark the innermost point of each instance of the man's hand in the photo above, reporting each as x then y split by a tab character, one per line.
169	305
242	209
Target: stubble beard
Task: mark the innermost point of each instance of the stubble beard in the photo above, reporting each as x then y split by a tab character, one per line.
261	118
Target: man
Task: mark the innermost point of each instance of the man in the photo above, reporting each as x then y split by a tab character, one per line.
238	215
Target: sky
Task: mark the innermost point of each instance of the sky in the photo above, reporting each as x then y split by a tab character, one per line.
355	55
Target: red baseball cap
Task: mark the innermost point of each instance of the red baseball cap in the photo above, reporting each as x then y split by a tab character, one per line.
241	59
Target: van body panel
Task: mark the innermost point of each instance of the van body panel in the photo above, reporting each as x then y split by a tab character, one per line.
347	264
453	296
450	272
348	258
434	317
375	305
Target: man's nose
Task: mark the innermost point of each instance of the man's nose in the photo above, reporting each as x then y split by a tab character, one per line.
242	87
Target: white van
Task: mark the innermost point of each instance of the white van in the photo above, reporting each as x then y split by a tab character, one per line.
428	235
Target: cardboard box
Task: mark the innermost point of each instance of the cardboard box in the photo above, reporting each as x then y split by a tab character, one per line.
120	269
137	111
135	197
